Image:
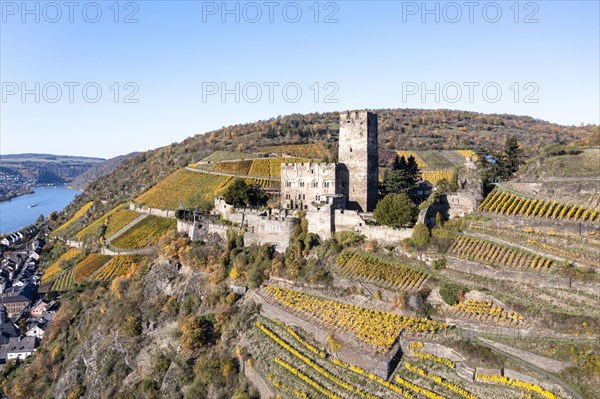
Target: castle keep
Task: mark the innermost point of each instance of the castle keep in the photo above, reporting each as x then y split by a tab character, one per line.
358	167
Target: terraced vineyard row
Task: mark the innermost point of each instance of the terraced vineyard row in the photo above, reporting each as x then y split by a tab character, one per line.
524	385
108	224
120	265
56	267
434	176
418	159
314	151
65	281
372	327
271	167
426	356
418	389
486	311
498	255
328	376
74	219
468	153
186	188
264	183
235	167
440	381
89	265
313	365
505	203
376	270
145	233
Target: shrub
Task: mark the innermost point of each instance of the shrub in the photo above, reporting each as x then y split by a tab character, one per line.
452	293
196	331
439	263
347	237
396	210
420	236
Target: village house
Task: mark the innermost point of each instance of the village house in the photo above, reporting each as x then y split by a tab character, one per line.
16	299
7	328
18	348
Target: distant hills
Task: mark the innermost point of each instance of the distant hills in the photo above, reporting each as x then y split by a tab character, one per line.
46	168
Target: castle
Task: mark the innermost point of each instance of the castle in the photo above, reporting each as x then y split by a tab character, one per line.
349	184
333	197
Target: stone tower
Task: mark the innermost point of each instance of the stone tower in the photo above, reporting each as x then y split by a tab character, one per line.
358	160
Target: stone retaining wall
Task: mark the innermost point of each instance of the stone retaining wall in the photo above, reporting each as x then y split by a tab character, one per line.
381	365
538	279
151	211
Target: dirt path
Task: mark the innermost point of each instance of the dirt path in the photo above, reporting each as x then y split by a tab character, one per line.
127	227
531	366
212	172
545	363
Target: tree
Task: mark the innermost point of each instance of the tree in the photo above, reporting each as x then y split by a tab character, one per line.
451	293
256	196
396	182
396	210
420	236
512	156
236	193
402	177
196	332
413	170
240	194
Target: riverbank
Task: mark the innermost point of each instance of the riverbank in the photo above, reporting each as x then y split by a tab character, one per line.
16	193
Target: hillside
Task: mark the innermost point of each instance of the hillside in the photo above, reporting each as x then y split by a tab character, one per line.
99	170
20	172
398	129
149	312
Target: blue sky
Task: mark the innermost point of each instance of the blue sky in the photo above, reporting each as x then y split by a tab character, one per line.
171	67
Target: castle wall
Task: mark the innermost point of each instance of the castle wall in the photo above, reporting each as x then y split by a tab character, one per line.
358	158
305	183
353	221
461	204
219	229
151	211
347	220
385	234
263	230
194	230
321	221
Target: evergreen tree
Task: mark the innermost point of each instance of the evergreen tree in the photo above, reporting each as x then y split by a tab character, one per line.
402	177
512	156
412	169
239	194
396	210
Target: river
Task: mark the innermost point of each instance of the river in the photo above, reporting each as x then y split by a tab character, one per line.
16	213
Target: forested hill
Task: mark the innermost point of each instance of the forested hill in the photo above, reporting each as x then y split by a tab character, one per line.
398	129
